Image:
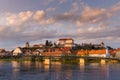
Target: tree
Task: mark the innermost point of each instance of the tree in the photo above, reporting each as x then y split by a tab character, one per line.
48	43
110	48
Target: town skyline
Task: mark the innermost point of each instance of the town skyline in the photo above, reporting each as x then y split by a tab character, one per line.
37	21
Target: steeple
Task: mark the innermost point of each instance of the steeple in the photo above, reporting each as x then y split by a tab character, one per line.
102	44
27	45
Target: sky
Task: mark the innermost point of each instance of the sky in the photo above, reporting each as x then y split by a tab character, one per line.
35	21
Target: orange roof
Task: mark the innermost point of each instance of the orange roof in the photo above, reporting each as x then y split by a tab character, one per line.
97	52
65	39
82	52
52	53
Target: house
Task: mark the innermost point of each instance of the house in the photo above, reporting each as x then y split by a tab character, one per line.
27	52
57	53
113	52
66	42
92	53
81	53
97	53
39	45
17	51
101	45
2	50
38	52
117	55
66	50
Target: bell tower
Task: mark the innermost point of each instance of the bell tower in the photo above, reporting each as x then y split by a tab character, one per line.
27	45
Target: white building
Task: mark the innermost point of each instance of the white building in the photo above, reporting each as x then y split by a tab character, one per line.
66	42
17	51
107	53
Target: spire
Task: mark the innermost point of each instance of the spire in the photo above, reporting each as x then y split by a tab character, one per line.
27	45
102	44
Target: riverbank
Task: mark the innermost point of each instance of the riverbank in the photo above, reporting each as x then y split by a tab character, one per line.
63	60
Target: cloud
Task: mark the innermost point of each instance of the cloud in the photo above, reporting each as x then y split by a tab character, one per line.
87	15
25	26
93	15
62	1
39	15
73	10
116	8
69	15
51	9
42	19
87	23
46	2
18	19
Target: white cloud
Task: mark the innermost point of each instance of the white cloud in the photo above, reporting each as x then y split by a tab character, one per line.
18	19
94	23
39	15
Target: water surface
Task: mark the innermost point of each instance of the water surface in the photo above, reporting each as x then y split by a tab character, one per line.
27	70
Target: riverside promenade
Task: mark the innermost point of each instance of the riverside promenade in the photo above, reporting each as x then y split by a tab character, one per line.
76	59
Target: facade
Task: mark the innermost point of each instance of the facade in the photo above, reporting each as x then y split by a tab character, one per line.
39	45
117	55
97	53
66	42
2	51
57	53
17	51
92	53
101	45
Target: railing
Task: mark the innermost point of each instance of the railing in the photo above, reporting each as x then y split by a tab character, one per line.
68	56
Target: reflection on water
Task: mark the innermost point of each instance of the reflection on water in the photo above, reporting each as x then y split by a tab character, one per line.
27	70
16	68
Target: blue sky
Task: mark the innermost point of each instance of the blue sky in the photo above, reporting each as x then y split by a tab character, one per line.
86	21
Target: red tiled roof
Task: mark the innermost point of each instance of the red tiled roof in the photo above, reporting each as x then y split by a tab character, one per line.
65	39
58	53
82	52
97	52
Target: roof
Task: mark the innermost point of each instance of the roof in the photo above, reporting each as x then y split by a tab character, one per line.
97	52
65	39
58	53
82	52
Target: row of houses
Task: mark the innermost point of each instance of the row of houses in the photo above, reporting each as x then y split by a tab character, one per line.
65	46
3	52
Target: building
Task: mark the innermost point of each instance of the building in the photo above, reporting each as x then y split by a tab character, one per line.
39	45
92	53
2	50
97	53
57	53
117	53
17	51
27	45
66	42
101	45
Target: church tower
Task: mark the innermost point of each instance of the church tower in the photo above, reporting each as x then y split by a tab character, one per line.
102	44
27	45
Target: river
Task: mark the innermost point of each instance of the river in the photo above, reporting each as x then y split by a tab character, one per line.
27	70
